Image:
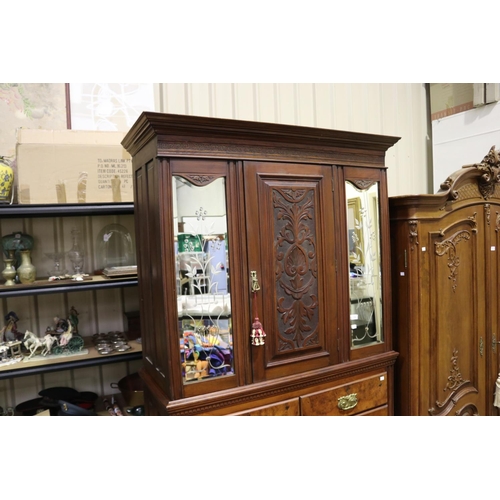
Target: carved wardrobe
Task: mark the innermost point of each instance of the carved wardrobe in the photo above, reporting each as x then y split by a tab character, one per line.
264	268
446	280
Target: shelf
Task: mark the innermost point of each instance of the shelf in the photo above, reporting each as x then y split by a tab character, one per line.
45	287
66	210
93	358
203	316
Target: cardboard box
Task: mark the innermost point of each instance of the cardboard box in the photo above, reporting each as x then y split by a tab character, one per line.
72	166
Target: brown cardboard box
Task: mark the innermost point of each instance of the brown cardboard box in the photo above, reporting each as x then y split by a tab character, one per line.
72	166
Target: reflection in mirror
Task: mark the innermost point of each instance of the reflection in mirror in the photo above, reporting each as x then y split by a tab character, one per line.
203	285
365	265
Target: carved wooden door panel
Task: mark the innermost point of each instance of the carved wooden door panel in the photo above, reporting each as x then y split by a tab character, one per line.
454	286
291	249
492	213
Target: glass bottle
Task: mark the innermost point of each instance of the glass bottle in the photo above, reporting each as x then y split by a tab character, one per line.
76	254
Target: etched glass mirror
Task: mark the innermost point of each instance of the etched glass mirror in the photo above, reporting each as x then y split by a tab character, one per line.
202	274
365	282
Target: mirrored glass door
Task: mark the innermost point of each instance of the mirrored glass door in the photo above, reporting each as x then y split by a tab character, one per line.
202	279
365	282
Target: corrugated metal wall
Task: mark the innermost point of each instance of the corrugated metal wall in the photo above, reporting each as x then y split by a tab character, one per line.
397	109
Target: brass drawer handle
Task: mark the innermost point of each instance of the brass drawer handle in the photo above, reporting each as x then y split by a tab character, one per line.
348	402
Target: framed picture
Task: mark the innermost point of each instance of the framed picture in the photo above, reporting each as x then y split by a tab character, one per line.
107	106
355	231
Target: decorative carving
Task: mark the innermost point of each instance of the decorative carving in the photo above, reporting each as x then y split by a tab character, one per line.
458	388
490	169
200	180
487	182
413	234
296	268
446	185
449	246
362	183
455	379
488	213
473	222
469	410
497	222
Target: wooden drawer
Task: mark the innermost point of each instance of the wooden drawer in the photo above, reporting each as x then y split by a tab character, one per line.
360	396
382	411
289	408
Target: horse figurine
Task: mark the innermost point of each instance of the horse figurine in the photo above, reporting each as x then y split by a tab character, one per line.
47	342
31	342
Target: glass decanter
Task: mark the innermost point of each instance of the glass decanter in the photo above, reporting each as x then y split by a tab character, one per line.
76	254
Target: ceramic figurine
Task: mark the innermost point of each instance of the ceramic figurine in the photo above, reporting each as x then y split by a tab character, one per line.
73	318
31	342
9	332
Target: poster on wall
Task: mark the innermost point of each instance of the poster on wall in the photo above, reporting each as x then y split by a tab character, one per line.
31	106
109	106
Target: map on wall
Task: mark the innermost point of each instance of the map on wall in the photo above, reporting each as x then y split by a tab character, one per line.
109	106
29	105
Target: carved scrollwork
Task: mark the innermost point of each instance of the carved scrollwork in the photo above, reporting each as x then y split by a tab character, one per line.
362	183
447	185
455	379
490	173
413	233
458	388
296	268
200	180
481	179
469	410
487	210
449	246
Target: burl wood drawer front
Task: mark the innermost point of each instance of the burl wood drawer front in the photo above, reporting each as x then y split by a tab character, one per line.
289	408
348	399
382	411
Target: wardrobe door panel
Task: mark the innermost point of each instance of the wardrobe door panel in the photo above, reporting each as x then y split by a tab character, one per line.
457	330
291	239
492	250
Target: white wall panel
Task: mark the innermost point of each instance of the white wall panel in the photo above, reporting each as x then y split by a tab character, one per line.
397	109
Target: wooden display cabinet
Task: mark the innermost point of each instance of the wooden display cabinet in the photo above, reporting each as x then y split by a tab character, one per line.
245	224
446	277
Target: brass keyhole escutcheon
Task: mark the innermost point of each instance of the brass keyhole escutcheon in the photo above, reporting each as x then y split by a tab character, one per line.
255	281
